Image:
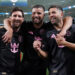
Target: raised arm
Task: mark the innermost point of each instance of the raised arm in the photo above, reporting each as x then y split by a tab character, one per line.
67	24
8	35
70	45
7	24
61	41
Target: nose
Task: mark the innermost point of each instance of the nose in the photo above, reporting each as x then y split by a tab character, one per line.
50	15
17	17
36	14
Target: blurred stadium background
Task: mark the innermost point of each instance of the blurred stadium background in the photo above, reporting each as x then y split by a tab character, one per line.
26	5
7	5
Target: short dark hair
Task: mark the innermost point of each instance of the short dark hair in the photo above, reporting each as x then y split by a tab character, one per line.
17	9
39	6
55	6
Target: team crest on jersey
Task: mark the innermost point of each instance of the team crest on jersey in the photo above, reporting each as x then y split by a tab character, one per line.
14	47
50	34
53	36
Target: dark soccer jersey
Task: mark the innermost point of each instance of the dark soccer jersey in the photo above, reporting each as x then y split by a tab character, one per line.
9	53
60	61
69	53
56	54
32	61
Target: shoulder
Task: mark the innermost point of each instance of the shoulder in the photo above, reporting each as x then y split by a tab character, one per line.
26	24
73	25
49	26
73	28
2	31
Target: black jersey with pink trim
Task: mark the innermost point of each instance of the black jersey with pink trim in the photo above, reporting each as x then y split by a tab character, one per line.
9	53
61	58
33	64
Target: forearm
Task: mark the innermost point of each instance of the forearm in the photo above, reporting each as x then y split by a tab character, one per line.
67	23
69	45
8	35
7	25
42	53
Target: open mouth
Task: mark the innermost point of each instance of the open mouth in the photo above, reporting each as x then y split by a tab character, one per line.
16	22
36	20
53	19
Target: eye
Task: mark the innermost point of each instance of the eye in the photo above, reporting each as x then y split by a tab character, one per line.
19	16
39	13
14	15
53	12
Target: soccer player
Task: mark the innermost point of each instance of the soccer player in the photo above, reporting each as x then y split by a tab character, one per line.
10	52
61	57
34	30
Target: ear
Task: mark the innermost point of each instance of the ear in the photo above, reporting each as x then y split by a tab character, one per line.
62	14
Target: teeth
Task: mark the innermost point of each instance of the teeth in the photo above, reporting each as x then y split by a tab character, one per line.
35	18
17	22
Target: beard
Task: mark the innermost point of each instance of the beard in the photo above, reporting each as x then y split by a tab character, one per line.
16	27
55	21
37	22
16	24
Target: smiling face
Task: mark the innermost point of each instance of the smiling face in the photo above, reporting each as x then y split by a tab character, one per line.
16	19
37	15
55	15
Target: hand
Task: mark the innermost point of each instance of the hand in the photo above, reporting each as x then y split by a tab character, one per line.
62	33
7	36
7	22
60	40
37	45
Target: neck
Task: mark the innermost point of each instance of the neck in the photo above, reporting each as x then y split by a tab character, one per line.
59	26
16	29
